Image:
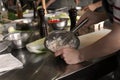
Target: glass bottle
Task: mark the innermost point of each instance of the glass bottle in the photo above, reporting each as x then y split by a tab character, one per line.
4	12
43	27
19	9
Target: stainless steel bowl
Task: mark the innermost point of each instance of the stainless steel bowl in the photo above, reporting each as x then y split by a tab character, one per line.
18	39
59	25
55	40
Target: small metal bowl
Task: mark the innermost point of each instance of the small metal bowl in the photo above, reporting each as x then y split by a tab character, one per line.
27	25
18	39
59	25
55	40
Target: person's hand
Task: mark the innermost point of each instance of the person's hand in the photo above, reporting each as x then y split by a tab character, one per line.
70	55
91	7
77	2
49	3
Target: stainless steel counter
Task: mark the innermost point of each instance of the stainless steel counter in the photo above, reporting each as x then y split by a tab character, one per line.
47	67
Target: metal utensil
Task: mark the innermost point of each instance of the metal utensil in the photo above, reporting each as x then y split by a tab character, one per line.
74	30
59	39
4	45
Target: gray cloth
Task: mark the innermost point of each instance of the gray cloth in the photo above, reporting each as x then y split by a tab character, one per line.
68	3
94	1
84	3
62	3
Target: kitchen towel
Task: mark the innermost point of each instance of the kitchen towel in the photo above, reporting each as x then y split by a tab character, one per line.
9	62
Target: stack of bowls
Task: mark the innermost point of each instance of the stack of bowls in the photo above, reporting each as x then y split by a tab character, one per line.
18	39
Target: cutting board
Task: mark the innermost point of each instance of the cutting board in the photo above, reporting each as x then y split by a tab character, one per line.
90	38
85	40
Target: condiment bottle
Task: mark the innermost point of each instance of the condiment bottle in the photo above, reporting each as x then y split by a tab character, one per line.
19	9
43	27
3	10
72	15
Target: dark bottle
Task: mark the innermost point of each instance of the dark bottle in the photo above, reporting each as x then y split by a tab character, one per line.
72	15
34	9
19	9
34	24
43	27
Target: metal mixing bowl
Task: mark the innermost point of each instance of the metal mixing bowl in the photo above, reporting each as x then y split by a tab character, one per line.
18	39
55	40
